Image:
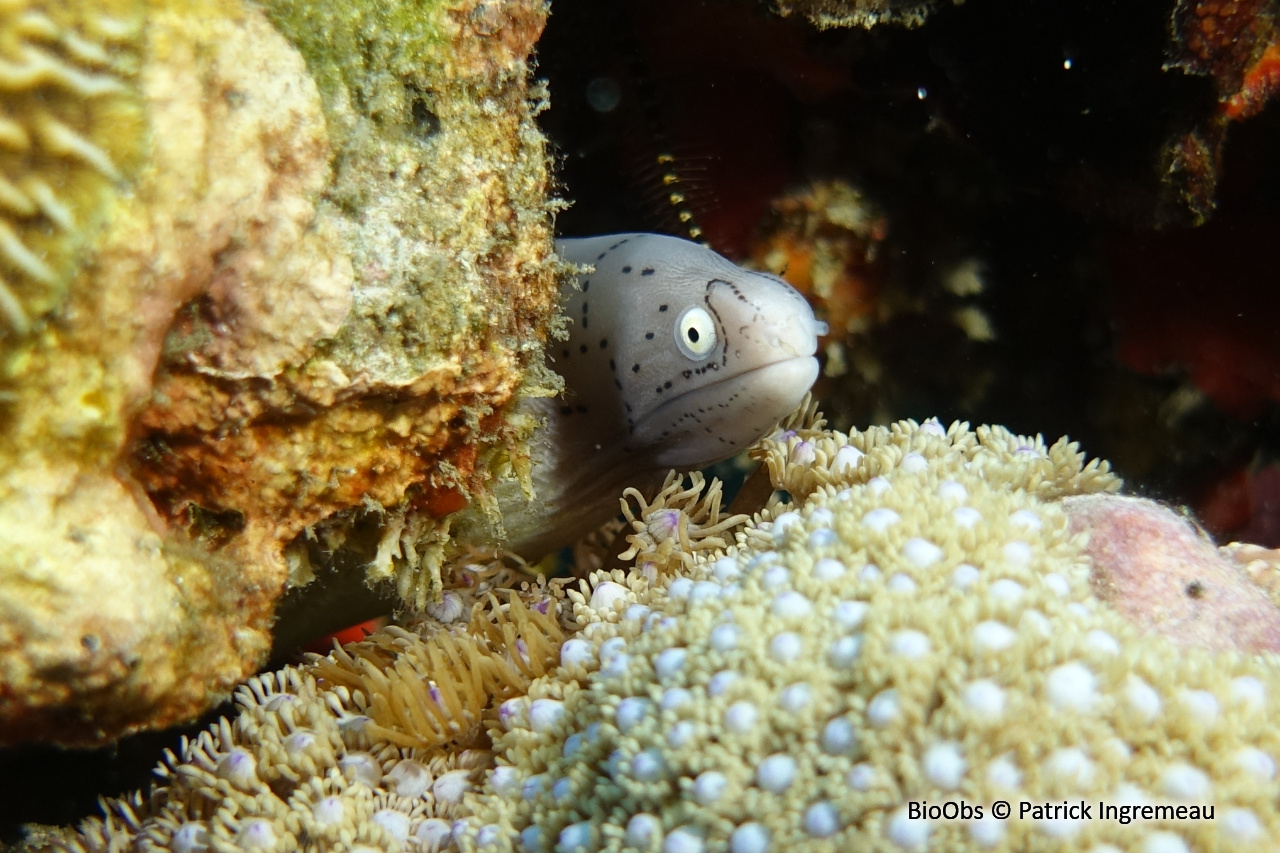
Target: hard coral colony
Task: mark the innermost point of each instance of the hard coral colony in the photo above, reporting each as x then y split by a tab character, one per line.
916	625
70	133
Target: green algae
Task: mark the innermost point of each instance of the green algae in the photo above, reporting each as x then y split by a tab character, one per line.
414	112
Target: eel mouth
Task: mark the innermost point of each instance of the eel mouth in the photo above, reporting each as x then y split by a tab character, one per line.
752	403
767	374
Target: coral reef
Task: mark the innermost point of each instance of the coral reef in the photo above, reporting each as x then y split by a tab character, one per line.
438	198
858	13
1260	82
1229	43
295	261
374	745
915	622
1237	46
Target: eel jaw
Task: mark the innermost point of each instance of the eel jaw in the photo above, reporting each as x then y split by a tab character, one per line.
755	400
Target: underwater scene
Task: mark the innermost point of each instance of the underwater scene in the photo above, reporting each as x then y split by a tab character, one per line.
671	426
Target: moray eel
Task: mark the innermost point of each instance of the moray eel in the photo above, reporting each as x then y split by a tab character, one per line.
676	358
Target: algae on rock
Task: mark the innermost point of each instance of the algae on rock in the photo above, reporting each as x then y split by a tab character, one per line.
309	269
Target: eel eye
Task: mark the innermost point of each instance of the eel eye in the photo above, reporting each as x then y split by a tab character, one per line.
695	333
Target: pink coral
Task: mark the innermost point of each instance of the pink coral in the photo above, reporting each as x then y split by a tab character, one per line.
1166	577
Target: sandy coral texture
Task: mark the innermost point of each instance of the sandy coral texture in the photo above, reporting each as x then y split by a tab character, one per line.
261	266
917	623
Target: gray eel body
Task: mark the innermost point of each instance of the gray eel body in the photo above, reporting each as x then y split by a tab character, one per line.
676	358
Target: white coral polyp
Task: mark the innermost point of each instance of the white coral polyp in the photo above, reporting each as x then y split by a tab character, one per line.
749	838
1185	782
1203	705
544	714
608	596
682	840
791	606
880	519
910	644
709	787
986	698
848	615
991	636
643	830
786	647
920	552
631	711
883	708
944	765
669	662
838	737
1072	687
908	833
776	773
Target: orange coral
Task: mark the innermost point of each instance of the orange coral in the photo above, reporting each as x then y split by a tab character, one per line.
1236	43
1261	81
